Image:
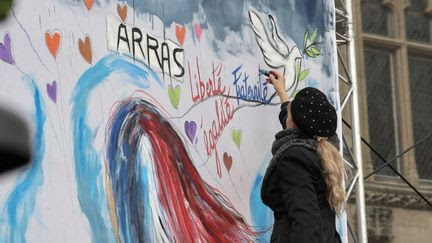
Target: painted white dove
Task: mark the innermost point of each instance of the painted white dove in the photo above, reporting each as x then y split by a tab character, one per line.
275	50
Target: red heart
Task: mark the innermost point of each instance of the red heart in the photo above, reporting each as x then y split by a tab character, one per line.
180	33
85	49
122	11
227	161
53	42
89	4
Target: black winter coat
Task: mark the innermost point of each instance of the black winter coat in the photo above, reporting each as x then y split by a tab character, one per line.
295	189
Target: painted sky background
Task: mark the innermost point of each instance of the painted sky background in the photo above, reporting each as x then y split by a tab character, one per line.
223	17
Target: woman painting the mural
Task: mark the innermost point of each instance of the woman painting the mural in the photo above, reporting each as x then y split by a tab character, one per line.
303	182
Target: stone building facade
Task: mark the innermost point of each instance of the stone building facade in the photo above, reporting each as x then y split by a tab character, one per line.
394	63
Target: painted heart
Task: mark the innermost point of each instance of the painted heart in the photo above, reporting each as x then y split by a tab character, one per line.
88	4
227	161
53	42
190	128
122	11
6	50
85	49
180	33
198	31
52	91
237	136
174	95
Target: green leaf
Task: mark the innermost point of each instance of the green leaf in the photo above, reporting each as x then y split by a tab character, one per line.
295	93
310	53
305	38
315	50
313	36
5	6
303	74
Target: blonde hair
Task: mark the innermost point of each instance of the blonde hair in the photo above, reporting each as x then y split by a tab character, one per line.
333	173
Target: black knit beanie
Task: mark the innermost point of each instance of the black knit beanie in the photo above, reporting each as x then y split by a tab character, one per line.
313	113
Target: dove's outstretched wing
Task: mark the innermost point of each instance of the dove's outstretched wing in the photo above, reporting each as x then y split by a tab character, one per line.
272	56
281	46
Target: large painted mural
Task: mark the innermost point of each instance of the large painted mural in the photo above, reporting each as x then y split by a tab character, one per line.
150	120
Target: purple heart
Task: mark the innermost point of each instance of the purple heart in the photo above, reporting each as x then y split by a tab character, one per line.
52	91
190	128
6	51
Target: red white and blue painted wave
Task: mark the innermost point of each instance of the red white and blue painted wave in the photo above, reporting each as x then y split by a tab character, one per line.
147	188
158	193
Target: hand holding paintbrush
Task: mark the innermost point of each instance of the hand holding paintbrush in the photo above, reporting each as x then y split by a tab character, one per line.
278	81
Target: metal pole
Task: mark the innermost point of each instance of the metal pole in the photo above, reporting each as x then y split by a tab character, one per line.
355	115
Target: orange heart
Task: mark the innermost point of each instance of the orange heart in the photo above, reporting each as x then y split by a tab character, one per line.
53	42
85	49
227	161
89	4
122	11
180	33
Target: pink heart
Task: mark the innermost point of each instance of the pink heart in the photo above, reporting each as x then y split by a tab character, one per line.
198	31
52	91
6	50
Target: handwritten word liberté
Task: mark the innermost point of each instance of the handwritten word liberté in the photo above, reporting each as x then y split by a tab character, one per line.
213	86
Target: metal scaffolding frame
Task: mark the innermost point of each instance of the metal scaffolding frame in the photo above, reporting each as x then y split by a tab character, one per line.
348	75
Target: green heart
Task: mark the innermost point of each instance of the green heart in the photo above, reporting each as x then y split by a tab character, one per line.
174	95
237	136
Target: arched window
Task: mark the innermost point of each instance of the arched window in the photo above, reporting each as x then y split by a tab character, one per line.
420	74
376	17
380	105
417	21
396	79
